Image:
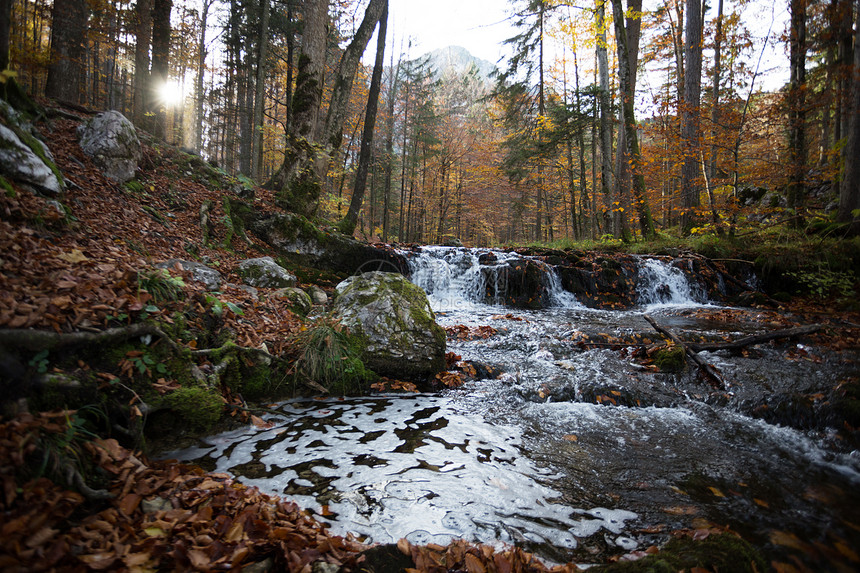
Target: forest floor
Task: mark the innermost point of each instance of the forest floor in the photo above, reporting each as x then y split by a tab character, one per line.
76	268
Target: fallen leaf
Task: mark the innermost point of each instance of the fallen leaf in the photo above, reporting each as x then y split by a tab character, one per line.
73	256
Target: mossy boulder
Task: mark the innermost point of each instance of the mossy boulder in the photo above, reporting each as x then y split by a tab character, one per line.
299	301
264	272
300	242
23	157
394	320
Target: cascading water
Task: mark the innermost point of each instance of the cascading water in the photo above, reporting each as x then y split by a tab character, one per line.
661	282
566	445
458	278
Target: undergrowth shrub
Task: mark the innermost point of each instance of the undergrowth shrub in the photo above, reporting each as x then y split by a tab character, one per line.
331	357
160	284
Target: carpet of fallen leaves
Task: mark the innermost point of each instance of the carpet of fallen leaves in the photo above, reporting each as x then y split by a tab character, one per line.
78	270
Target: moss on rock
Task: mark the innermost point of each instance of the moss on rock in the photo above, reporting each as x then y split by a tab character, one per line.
673	358
724	552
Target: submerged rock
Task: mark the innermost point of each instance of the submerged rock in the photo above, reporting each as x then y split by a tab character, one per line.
393	318
264	272
111	140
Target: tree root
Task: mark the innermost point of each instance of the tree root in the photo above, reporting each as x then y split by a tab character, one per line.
37	340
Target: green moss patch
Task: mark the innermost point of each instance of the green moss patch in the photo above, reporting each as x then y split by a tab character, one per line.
723	552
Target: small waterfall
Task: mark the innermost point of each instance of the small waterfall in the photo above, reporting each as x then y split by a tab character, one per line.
456	278
660	282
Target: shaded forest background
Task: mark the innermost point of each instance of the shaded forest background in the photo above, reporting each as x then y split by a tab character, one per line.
546	149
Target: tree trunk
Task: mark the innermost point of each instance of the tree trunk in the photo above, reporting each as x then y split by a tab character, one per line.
296	180
5	28
332	133
198	80
605	125
260	90
347	225
393	74
143	31
580	142
301	176
797	105
690	120
160	62
626	87
539	211
68	51
623	180
715	91
849	189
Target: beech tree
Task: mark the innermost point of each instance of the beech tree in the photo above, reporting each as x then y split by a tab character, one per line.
143	32
160	63
311	144
68	48
347	225
5	29
797	104
606	181
627	89
849	188
690	112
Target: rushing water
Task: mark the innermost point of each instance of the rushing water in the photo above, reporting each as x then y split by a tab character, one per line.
571	451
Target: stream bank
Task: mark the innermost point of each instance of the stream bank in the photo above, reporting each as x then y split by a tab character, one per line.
575	447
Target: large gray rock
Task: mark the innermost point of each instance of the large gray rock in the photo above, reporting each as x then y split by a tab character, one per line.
210	278
264	272
23	157
395	323
111	140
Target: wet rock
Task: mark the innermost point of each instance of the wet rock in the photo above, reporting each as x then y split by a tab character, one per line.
299	301
486	258
264	272
525	285
23	157
210	278
393	318
111	140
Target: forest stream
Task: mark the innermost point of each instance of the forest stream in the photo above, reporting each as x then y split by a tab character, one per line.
570	449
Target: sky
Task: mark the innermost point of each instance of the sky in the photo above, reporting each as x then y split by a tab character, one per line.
480	26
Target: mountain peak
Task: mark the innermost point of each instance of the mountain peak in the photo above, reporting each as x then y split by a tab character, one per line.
460	59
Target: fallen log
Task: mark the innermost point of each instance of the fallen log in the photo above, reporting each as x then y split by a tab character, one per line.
709	370
755	339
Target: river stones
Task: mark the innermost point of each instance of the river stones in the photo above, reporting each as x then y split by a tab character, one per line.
393	319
